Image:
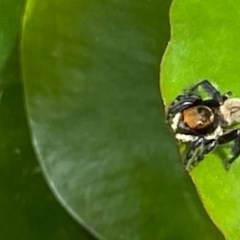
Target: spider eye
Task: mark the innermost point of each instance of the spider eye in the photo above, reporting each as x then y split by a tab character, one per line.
198	118
206	115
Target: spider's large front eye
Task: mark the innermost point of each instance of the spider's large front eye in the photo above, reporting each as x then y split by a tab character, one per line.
205	114
198	117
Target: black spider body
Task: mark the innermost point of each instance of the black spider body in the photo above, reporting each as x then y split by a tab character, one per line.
204	123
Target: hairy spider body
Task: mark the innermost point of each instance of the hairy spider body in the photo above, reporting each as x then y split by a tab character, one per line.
204	123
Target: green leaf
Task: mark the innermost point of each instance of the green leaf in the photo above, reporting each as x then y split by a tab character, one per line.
10	12
91	72
28	208
204	45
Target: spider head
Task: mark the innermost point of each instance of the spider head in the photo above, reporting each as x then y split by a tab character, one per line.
198	117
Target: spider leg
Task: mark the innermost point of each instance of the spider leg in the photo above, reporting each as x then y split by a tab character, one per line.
194	153
226	95
210	145
182	102
209	88
197	150
234	136
212	103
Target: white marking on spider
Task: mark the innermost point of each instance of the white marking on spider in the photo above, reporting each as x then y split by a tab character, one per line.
189	138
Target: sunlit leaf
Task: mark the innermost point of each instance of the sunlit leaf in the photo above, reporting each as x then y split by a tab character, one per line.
204	45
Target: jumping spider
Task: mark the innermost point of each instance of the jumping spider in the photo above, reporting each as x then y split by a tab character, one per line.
205	123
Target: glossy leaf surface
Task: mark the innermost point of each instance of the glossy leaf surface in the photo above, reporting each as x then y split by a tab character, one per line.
91	83
204	45
28	210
